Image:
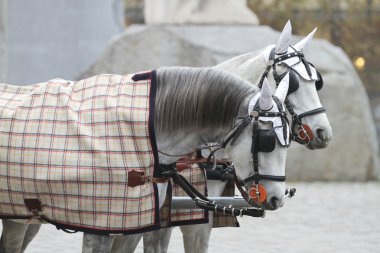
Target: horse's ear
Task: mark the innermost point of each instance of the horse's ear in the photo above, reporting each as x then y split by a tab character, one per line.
284	40
266	101
282	89
302	44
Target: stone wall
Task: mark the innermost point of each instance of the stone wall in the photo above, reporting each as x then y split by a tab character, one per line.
3	40
48	39
198	12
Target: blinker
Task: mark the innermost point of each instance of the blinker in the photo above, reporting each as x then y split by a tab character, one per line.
319	83
266	141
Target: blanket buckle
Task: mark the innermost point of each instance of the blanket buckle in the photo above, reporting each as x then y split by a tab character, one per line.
34	206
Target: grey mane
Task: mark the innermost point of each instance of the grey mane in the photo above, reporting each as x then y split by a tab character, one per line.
198	98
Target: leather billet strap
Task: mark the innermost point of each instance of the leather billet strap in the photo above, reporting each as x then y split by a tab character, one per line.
183	164
136	178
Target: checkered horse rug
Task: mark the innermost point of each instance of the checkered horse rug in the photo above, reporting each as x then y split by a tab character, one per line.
66	149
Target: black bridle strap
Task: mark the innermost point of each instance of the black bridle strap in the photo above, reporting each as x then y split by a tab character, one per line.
257	177
235	134
245	122
287	56
312	112
266	72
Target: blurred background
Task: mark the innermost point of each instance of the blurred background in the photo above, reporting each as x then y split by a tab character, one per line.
337	201
353	25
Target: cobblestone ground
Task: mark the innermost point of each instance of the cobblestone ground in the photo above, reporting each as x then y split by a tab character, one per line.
321	218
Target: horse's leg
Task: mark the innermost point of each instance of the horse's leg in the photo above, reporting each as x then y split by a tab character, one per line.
31	232
196	237
157	241
126	243
154	240
12	237
96	243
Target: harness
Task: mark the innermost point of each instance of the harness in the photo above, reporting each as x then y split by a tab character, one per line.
263	140
303	135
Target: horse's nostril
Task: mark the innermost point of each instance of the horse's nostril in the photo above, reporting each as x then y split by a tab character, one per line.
274	202
322	135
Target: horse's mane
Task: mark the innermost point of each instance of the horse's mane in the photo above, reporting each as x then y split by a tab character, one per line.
198	98
255	73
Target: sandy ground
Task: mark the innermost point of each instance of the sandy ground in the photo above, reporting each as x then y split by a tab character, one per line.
322	217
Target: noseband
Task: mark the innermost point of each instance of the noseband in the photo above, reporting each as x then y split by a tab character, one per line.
304	134
263	140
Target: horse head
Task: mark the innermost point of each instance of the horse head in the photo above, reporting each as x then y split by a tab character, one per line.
197	106
261	178
310	124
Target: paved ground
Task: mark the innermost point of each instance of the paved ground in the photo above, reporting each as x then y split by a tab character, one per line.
322	217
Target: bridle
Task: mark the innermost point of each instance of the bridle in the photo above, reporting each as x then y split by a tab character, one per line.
250	187
303	135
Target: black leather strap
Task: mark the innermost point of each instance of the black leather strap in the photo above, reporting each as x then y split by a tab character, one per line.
258	177
312	112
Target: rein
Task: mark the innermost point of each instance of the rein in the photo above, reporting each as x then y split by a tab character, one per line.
255	193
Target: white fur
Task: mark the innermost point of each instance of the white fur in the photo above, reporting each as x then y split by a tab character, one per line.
285	38
266	101
302	44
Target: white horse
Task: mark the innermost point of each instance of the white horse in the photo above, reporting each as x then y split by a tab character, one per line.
250	67
196	106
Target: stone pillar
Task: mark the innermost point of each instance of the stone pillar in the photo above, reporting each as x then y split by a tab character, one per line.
199	12
46	39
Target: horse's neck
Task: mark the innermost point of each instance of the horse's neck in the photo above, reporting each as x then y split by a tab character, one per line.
249	66
182	142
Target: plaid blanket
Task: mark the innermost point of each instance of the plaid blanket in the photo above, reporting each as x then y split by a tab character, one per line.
66	149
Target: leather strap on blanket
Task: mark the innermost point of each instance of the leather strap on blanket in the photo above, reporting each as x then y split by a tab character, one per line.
136	178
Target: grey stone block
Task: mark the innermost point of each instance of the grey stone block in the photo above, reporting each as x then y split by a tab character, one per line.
46	39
